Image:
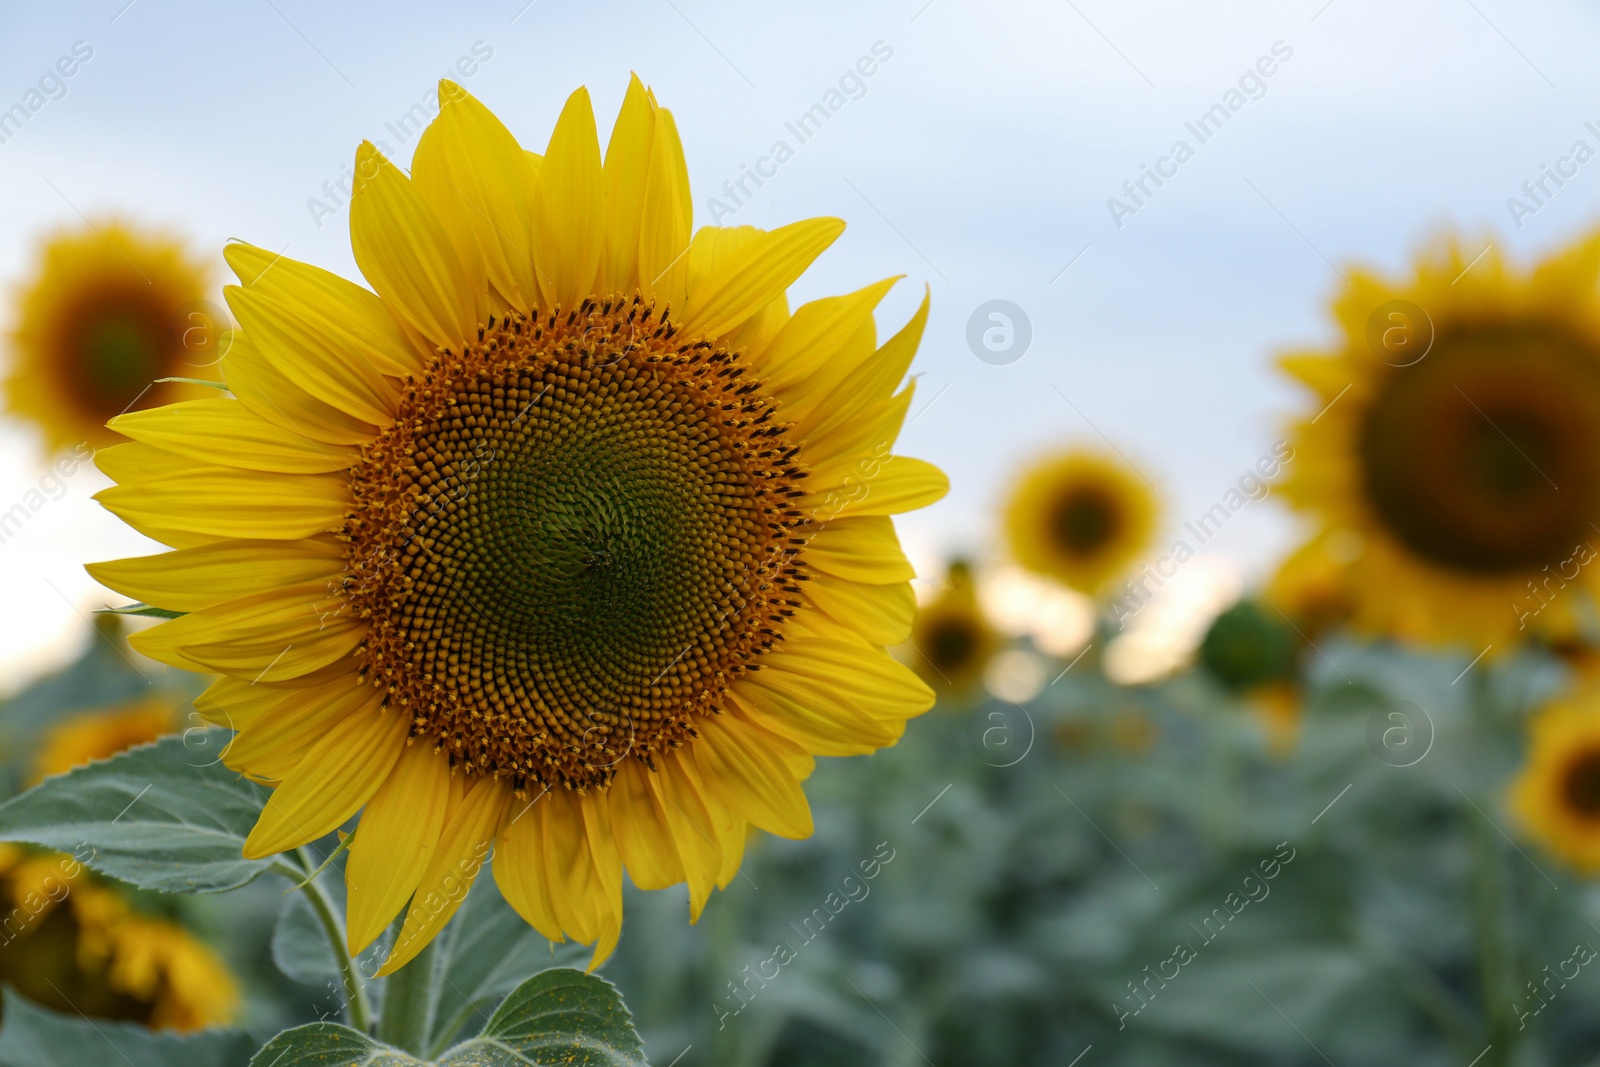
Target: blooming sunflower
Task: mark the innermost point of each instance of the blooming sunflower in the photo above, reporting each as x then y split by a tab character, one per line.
74	943
952	639
1557	794
1454	439
568	541
1080	518
110	311
101	734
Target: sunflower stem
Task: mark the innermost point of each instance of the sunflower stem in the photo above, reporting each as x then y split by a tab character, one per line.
358	1011
408	1005
1495	961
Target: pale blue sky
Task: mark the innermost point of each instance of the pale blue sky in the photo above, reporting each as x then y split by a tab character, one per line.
978	160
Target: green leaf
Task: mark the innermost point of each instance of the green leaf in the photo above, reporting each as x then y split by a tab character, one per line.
328	1045
34	1037
166	816
561	1016
219	386
143	611
299	946
485	953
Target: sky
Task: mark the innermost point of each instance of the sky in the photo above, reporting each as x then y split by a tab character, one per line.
979	159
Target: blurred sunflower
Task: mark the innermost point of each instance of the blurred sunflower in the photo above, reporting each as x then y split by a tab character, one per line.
571	541
1312	586
110	310
100	734
74	943
1080	518
1454	438
1557	794
1251	652
952	639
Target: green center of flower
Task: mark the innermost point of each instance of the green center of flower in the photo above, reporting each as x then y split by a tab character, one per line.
576	535
122	344
1485	455
1580	787
1084	519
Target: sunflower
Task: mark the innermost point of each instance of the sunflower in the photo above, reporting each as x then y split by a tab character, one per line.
74	943
568	541
1312	586
952	639
1454	438
1557	794
1250	651
101	734
111	310
1080	518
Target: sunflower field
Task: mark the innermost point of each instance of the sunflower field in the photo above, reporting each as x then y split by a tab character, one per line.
527	603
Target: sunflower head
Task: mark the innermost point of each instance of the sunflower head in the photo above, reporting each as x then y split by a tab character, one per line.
1248	646
1455	432
109	312
101	734
566	540
1080	518
77	944
952	640
1556	796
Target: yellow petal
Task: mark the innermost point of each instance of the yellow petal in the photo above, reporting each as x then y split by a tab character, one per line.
1327	376
875	377
887	487
337	776
237	703
700	807
667	220
194	578
756	275
282	334
854	435
397	837
464	843
403	250
742	759
229	502
818	717
476	176
568	207
864	549
693	828
224	431
579	895
599	830
291	631
277	727
519	870
644	842
350	322
814	350
869	676
627	178
135	463
715	246
273	395
880	613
